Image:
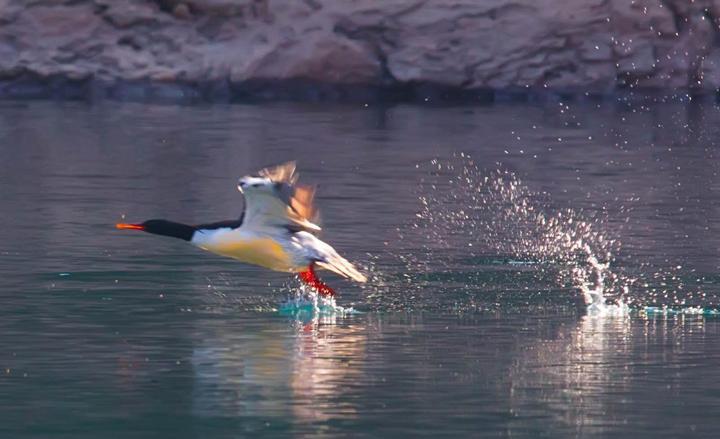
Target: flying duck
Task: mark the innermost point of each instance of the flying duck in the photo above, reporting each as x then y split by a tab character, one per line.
275	231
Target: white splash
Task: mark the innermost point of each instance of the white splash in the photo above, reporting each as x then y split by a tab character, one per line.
589	278
479	212
667	311
306	303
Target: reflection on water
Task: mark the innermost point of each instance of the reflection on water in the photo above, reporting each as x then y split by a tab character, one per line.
326	360
563	379
549	376
606	374
312	363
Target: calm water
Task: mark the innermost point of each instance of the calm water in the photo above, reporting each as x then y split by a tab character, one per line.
111	334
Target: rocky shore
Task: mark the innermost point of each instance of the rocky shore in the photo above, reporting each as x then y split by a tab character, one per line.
236	50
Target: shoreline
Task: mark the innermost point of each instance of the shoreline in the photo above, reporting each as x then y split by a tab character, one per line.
63	88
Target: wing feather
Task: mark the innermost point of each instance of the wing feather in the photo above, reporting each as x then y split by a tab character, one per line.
284	173
284	204
302	202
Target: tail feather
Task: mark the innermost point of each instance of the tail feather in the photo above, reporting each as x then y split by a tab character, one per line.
326	257
341	266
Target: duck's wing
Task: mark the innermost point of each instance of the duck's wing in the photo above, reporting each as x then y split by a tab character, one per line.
284	173
276	200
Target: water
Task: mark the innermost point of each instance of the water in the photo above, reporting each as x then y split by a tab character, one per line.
475	323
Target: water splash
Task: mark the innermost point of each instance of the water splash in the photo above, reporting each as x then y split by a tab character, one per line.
594	291
467	214
305	304
666	311
290	298
471	221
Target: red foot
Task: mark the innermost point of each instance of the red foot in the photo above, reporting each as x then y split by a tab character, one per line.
310	279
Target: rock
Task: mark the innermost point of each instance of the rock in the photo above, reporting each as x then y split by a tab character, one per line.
132	13
637	61
318	57
595	50
54	26
182	11
223	8
464	45
710	70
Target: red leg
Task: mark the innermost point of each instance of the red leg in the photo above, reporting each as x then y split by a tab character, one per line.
310	279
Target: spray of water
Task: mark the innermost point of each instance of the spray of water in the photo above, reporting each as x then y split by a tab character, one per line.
304	303
468	215
291	298
469	219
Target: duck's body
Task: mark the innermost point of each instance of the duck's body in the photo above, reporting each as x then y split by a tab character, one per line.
274	232
279	250
273	252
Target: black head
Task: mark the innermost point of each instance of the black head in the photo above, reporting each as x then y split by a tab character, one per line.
163	227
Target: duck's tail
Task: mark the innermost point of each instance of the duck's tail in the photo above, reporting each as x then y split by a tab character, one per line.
324	256
341	266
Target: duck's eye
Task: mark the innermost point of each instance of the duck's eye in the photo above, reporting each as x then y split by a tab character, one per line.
257	184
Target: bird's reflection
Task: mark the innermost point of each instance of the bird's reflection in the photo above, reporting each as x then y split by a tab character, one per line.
328	358
304	370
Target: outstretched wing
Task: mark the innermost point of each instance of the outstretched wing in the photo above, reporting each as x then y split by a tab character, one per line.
274	199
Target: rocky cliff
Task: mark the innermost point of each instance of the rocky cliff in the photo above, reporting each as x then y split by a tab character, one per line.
220	49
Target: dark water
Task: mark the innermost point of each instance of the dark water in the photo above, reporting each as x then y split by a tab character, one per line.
111	334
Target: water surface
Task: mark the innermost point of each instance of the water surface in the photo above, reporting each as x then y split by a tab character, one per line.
112	334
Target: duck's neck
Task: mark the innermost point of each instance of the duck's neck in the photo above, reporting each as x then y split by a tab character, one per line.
170	228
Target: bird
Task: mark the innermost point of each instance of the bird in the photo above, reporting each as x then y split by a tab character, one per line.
277	230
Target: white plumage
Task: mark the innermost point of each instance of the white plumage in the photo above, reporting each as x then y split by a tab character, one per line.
277	230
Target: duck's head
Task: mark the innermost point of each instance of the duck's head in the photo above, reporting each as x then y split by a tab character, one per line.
257	184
